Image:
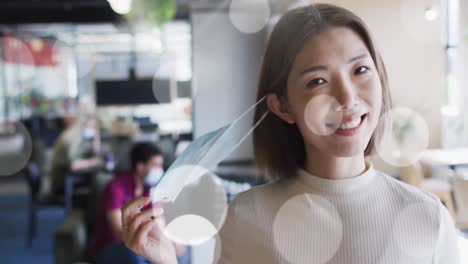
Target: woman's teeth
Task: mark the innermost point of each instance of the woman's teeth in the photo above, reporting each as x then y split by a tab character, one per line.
351	124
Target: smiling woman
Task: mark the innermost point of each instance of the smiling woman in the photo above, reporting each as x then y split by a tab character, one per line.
326	87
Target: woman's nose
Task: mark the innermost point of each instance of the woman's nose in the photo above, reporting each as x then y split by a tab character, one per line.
345	94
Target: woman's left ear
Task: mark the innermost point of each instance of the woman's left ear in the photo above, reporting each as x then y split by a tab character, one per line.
278	108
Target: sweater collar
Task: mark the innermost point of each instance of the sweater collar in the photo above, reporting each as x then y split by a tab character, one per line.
337	186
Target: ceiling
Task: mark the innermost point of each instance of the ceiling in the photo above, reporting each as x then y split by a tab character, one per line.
56	11
98	11
65	11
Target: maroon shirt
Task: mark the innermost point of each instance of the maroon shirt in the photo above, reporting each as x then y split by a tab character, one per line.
117	192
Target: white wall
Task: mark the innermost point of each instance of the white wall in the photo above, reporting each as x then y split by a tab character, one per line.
463	62
226	65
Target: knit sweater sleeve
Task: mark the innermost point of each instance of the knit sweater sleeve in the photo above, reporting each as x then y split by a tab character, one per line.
447	250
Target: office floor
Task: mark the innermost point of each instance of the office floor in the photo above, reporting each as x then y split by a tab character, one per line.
13	226
12	185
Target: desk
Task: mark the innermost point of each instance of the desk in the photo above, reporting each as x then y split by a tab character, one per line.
73	178
452	157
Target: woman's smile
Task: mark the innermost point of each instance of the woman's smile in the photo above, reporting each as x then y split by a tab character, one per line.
349	126
352	127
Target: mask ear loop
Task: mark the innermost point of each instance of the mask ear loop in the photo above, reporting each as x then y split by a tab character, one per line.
256	123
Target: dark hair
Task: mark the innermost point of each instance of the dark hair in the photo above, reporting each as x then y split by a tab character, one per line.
279	146
143	152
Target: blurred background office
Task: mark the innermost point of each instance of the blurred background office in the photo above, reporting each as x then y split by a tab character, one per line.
81	81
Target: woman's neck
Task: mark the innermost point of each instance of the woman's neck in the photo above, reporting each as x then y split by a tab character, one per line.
333	167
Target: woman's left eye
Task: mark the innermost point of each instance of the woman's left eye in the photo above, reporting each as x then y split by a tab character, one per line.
361	69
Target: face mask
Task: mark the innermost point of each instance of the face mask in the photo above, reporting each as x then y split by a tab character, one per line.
153	176
88	133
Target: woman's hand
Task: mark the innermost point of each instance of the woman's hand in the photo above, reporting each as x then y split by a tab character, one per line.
142	232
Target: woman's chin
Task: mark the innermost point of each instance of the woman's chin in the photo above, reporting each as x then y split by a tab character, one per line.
339	146
347	150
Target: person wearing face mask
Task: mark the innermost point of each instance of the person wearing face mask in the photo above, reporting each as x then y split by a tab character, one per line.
146	170
77	149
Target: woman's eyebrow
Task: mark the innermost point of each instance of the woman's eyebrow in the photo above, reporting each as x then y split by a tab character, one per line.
314	68
324	68
364	55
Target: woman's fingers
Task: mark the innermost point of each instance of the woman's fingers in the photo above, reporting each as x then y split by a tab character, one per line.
143	217
142	232
141	235
132	208
159	249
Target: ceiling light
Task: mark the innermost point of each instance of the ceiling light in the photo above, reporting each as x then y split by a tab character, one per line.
121	6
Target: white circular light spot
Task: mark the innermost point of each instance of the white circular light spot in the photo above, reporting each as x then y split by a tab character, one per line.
190	230
296	236
15	147
249	16
84	58
320	115
405	137
201	206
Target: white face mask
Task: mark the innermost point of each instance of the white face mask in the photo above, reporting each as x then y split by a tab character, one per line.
88	133
153	176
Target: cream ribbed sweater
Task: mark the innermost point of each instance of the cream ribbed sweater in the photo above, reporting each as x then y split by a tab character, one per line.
371	218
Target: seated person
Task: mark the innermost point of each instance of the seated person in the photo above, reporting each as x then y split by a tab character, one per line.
147	168
77	149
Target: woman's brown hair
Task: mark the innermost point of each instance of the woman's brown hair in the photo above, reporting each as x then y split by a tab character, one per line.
279	146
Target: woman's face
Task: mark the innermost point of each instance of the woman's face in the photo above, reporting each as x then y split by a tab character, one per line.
334	93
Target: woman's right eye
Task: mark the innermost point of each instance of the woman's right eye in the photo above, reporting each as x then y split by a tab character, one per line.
316	82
